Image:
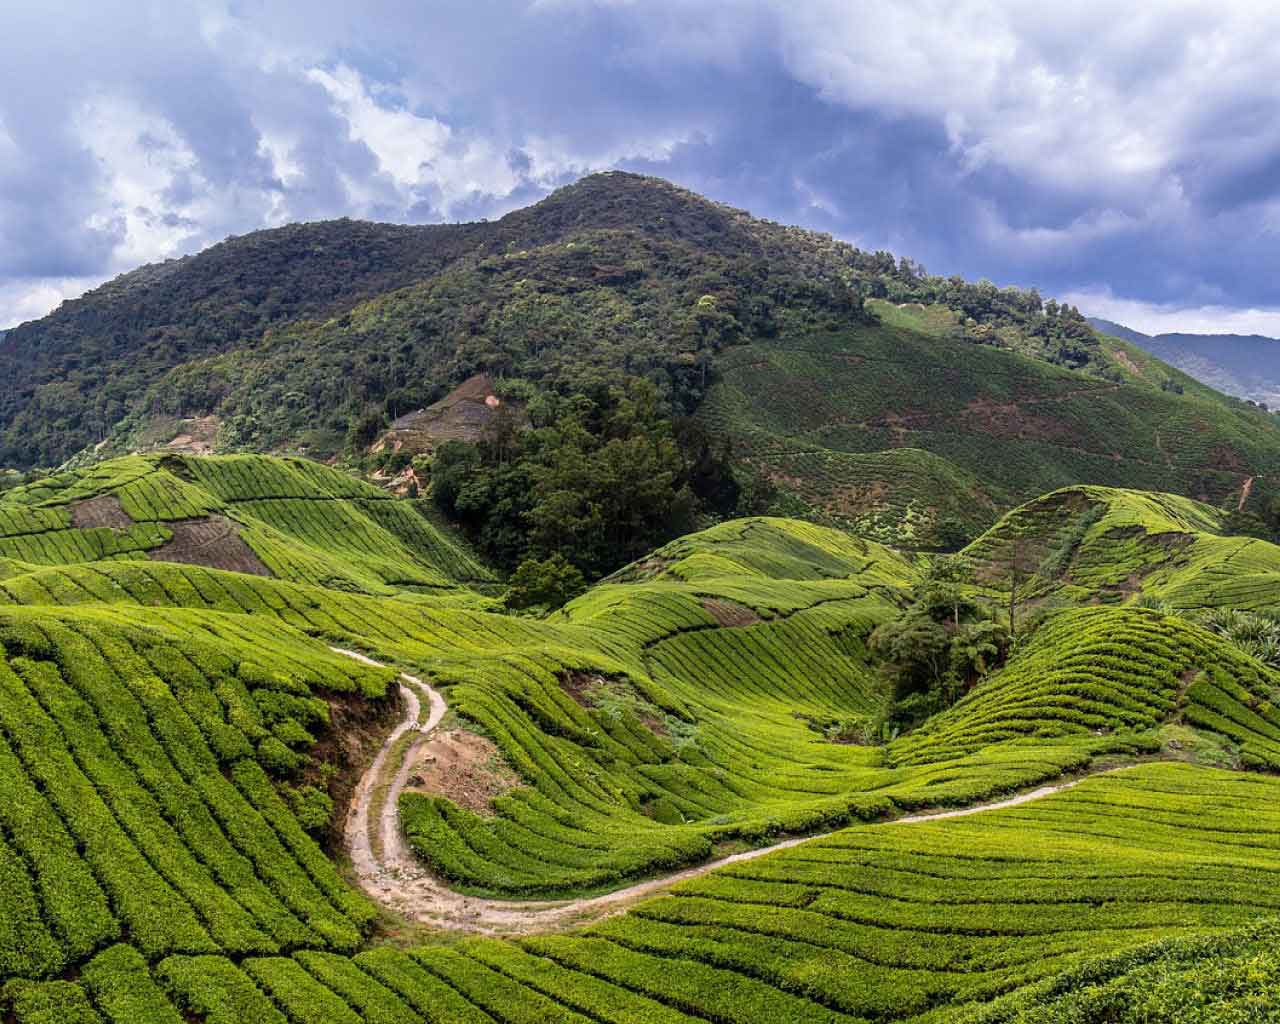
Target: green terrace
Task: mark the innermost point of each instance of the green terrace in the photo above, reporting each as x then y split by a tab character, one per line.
172	753
291	519
843	425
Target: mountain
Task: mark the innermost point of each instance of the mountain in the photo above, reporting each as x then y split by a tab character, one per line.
1244	365
892	427
860	390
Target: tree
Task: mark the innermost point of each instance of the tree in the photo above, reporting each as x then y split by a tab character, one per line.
364	430
455	462
950	534
548	582
1015	563
941	586
597	476
915	651
977	647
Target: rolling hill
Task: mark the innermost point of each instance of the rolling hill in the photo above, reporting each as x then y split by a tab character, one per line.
188	760
1106	545
869	393
292	519
889	428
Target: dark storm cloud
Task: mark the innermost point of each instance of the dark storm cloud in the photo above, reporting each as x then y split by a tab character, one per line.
1064	148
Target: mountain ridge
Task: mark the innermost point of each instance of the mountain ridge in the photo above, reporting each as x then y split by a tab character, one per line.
313	338
1244	365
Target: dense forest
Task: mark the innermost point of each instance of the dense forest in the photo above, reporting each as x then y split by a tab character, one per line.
292	334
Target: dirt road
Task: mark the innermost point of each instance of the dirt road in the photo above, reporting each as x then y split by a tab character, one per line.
391	874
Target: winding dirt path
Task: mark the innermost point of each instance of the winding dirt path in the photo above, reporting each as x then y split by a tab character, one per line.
393	876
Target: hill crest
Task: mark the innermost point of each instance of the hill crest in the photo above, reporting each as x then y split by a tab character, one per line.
314	339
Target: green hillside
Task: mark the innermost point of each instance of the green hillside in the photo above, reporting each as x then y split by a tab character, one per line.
180	744
1113	545
846	387
1096	671
889	429
289	519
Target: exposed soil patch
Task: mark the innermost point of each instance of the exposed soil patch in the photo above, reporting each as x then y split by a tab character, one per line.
462	415
357	728
1129	586
466	768
1245	490
870	496
729	613
402	484
1223	457
585	688
1010	419
1184	684
213	541
645	570
580	686
777	476
1124	360
102	511
196	436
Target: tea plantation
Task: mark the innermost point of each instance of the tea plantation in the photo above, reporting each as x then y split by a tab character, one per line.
841	423
178	743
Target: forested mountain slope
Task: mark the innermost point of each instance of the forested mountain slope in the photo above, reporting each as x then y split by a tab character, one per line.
891	427
894	386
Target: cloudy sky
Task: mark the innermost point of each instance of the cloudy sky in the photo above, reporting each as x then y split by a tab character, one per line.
1129	162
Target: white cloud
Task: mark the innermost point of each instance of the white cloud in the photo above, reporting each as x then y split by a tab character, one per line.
29	300
405	144
1067	133
415	150
8	148
1151	318
1073	95
141	157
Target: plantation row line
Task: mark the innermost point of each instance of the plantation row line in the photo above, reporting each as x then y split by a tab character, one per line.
235	478
338	526
1108	670
99	755
306	521
537	982
891	922
26	522
63	546
64	488
614	791
160	497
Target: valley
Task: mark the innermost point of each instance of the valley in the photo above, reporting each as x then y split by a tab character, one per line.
708	818
626	611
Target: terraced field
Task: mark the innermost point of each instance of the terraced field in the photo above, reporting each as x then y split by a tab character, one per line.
178	743
1083	544
292	519
841	424
909	922
1103	670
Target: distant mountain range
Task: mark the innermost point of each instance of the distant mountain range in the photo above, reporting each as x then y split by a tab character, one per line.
1244	365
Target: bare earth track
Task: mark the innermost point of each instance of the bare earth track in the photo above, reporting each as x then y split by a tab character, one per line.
213	541
392	875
